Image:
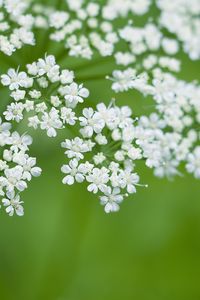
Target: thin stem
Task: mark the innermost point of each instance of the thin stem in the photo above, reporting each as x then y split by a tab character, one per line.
91	78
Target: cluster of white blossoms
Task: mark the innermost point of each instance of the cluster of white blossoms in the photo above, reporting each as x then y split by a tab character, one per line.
181	18
49	95
86	27
122	8
79	26
16	168
104	155
109	141
171	135
15	25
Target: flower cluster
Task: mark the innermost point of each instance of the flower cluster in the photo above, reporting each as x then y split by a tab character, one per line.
181	18
46	93
85	28
169	136
80	26
105	154
143	57
15	25
16	168
165	150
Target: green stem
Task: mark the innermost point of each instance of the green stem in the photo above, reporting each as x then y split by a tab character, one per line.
91	78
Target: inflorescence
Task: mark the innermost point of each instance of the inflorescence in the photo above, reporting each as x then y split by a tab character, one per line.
108	141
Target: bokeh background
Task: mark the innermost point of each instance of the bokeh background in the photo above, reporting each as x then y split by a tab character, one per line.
67	248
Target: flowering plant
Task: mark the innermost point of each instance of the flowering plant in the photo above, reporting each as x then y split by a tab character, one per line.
106	141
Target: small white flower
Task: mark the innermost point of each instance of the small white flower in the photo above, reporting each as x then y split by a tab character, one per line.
193	162
4	126
35	94
55	101
50	122
66	77
75	93
68	116
48	66
19	142
101	139
29	105
73	172
98	179
75	148
123	80
99	158
28	164
58	19
14	179
33	122
129	180
111	200
14	112
15	79
18	95
13	204
91	122
86	168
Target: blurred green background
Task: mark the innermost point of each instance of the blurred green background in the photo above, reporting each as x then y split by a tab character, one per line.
67	248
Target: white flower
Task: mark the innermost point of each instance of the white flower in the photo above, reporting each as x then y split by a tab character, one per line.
32	69
48	66
123	115
73	172
3	165
123	80
33	122
193	162
14	112
91	122
120	155
129	180
29	105
58	19
4	126
18	95
107	114
68	116
99	158
75	93
86	167
111	199
168	168
75	148
13	204
28	164
98	178
14	179
134	153
15	79
35	94
51	122
153	121
19	142
55	101
66	77
124	59
41	107
101	139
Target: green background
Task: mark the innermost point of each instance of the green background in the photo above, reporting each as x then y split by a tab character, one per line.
67	248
